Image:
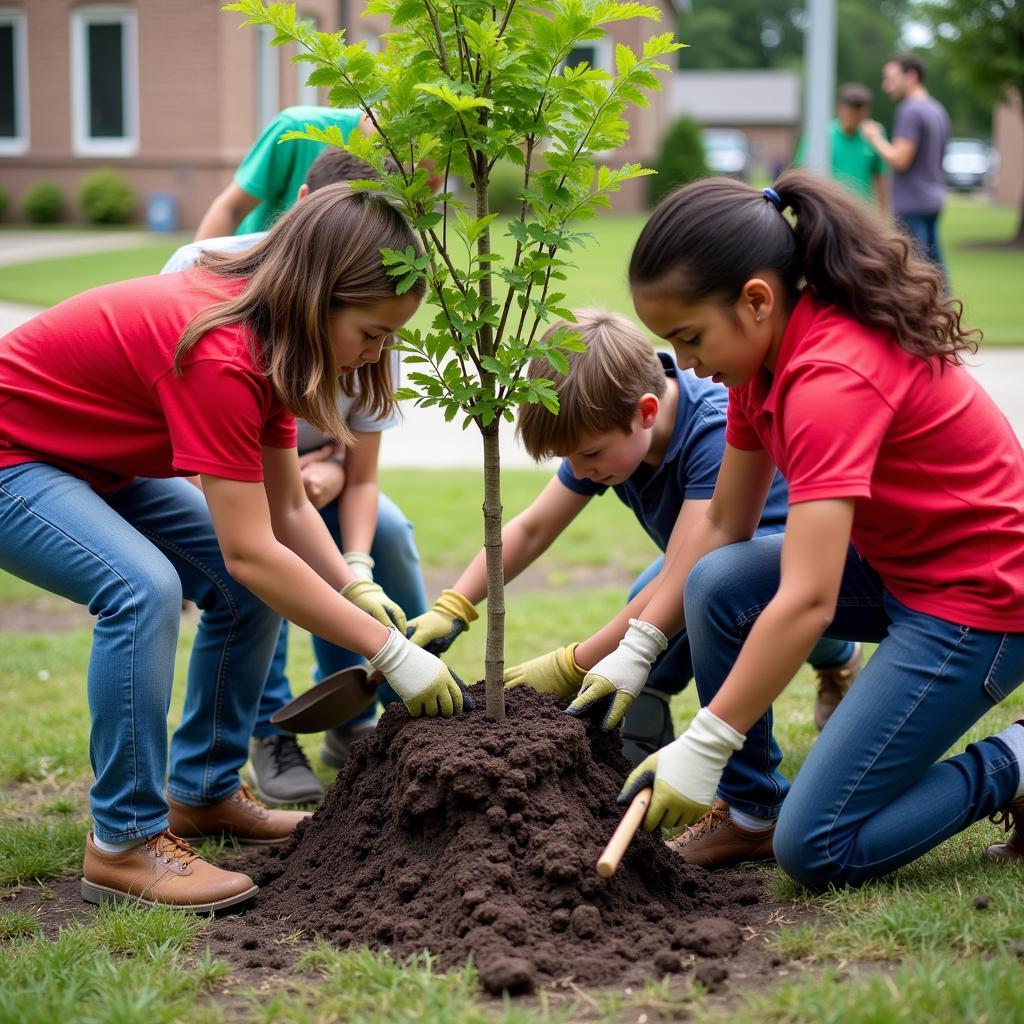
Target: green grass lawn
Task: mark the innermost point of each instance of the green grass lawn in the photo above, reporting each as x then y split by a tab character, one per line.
953	961
986	281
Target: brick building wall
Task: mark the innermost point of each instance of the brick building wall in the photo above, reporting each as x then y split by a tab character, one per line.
199	100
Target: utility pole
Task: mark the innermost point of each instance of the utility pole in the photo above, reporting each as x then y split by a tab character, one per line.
819	82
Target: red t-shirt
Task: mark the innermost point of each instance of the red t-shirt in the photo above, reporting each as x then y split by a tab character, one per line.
90	386
934	466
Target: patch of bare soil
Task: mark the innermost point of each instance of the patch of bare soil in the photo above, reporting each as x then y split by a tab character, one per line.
472	838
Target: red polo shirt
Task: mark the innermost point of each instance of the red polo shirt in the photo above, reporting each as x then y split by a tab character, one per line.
934	466
90	386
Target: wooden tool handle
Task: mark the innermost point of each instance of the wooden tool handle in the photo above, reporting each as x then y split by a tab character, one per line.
608	862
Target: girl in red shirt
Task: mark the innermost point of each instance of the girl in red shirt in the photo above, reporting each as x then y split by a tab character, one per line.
107	402
843	357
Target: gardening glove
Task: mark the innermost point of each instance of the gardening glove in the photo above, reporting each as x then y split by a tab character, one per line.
426	684
361	564
435	630
685	773
617	679
555	672
370	597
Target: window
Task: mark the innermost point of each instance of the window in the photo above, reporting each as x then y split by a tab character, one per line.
371	40
268	79
105	81
599	54
13	82
308	95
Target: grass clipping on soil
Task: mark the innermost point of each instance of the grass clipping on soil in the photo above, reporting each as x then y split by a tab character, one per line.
470	838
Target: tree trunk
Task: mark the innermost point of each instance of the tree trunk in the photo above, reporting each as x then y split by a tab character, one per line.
494	657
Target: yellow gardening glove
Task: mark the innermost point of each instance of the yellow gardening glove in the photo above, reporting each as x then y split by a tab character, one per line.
370	597
436	629
612	685
426	684
555	672
685	773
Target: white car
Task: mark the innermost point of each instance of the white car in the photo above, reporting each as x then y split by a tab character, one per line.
968	164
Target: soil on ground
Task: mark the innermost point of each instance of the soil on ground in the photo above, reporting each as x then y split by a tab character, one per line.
469	837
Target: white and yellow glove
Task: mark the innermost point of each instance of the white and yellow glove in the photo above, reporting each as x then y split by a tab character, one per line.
555	672
685	773
426	684
436	629
370	597
617	679
361	564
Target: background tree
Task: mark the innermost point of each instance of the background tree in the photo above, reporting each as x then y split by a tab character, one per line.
457	88
986	44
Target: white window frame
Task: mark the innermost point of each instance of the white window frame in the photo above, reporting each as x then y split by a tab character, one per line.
268	77
83	144
306	95
18	143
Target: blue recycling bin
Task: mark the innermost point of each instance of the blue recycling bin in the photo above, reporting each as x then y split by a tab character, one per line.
162	212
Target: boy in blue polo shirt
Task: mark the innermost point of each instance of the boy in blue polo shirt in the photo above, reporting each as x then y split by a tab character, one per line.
629	420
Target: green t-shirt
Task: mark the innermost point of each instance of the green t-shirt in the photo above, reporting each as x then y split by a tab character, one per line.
855	163
274	172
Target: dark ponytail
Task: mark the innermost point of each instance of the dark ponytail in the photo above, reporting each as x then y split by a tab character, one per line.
707	239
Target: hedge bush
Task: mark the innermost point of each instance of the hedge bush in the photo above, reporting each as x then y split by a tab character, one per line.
106	198
505	184
681	159
5	201
42	203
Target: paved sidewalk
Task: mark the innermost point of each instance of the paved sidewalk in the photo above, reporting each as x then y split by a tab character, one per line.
28	246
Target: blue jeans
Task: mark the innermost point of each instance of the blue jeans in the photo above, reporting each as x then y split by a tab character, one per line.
872	794
923	228
673	670
396	569
130	557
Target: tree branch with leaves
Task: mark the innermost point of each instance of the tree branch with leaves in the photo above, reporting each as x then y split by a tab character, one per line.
460	85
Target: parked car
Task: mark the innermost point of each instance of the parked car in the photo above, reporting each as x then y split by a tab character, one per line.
968	164
727	151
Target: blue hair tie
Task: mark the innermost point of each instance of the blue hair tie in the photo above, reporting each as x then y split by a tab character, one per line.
774	198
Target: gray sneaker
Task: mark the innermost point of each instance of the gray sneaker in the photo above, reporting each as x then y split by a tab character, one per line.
338	742
279	772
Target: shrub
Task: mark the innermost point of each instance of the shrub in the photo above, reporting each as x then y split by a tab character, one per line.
504	185
106	198
681	159
5	200
42	203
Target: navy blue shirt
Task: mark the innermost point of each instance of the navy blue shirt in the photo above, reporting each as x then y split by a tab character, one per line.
690	466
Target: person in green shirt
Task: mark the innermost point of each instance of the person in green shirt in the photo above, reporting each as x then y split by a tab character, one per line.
855	163
268	178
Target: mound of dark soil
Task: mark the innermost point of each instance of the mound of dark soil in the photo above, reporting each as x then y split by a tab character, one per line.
471	838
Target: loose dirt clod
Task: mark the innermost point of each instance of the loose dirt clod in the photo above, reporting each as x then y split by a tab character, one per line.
471	838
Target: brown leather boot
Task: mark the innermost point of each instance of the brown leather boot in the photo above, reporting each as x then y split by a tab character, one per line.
716	841
241	817
832	686
163	871
1012	817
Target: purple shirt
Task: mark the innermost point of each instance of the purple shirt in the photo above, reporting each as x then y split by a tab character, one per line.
920	188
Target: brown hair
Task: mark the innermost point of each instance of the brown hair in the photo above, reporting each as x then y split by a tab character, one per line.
601	390
323	255
909	62
707	239
335	164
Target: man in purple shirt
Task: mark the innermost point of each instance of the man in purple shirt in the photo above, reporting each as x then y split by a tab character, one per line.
919	135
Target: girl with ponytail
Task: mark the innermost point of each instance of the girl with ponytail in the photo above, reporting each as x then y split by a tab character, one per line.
844	363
